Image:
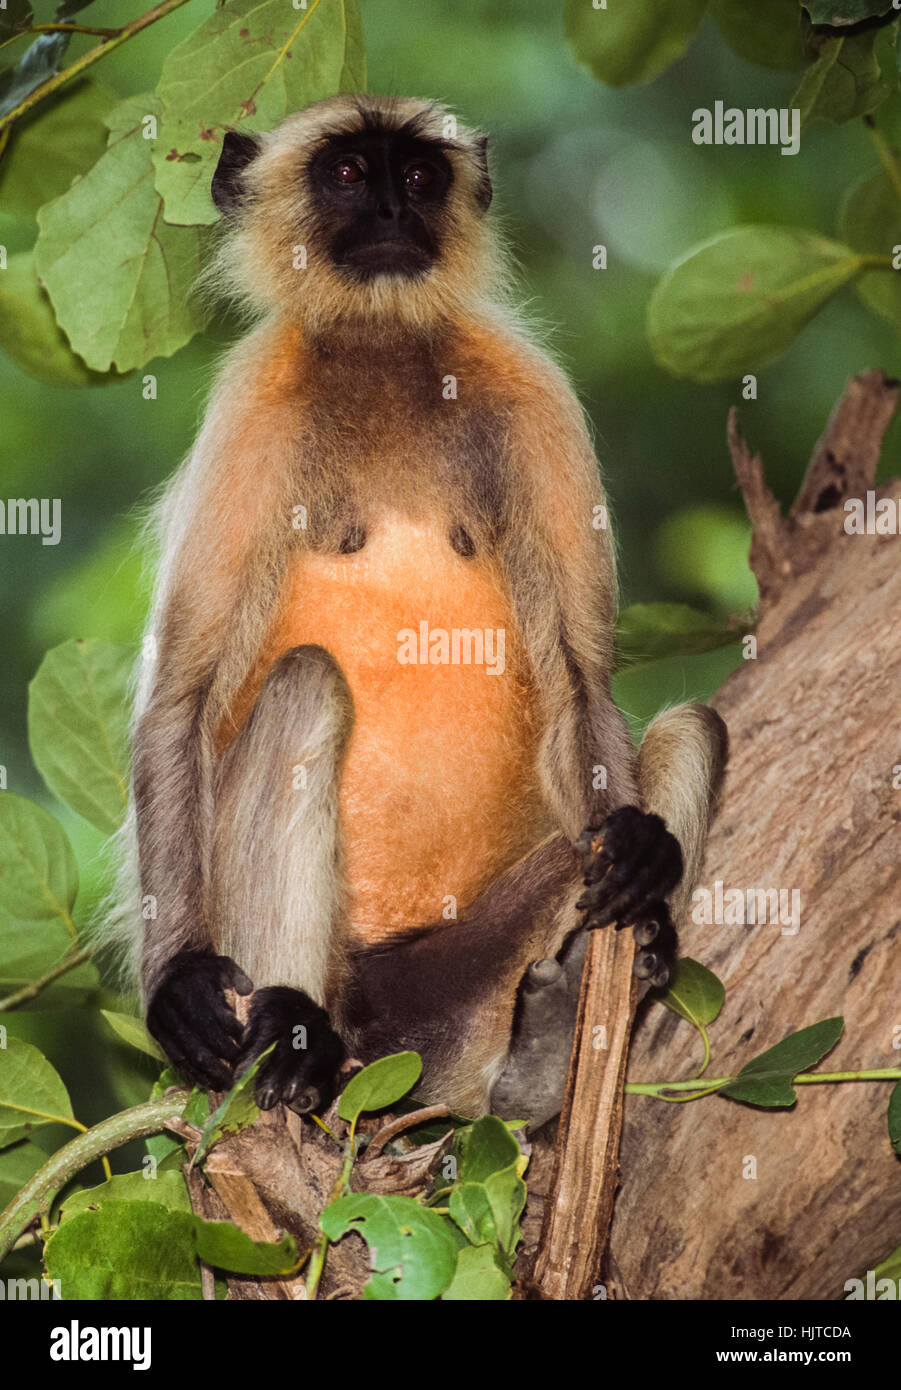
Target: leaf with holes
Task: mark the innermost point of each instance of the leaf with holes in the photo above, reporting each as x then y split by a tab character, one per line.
413	1250
141	307
245	68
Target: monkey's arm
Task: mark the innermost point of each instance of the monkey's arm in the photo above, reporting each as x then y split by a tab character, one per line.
561	570
218	526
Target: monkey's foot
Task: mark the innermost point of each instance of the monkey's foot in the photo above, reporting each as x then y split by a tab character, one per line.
630	862
300	1072
657	944
530	1087
191	1020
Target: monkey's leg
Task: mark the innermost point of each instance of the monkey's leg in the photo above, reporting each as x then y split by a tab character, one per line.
680	765
274	892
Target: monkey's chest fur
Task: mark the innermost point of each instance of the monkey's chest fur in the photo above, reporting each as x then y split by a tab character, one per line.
437	788
438	791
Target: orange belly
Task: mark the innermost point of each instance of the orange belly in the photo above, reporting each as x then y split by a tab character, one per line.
439	791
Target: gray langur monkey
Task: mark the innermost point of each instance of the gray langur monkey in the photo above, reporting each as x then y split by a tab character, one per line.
366	756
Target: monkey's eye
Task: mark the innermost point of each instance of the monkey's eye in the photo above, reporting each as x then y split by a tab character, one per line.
419	176
347	171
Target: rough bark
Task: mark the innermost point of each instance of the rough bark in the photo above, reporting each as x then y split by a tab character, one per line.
808	804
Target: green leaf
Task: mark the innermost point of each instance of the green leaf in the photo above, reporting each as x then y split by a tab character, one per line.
353	73
870	222
132	1031
40	60
767	1080
846	80
167	1190
38	873
236	1111
649	631
62	140
32	1093
479	1276
489	1195
17	1165
226	1247
694	993
414	1251
29	330
894	1118
380	1084
245	68
485	1148
629	42
15	16
766	32
28	950
125	1250
838	12
142	1250
738	301
141	307
78	728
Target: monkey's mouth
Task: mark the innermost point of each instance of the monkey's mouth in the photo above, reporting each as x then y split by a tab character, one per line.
386	256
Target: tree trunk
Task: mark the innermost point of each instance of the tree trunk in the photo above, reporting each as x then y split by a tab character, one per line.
808	804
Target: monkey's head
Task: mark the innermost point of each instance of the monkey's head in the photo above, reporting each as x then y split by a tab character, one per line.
360	210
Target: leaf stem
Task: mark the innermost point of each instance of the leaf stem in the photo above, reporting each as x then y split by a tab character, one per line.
36	1196
317	1256
655	1088
32	990
93	55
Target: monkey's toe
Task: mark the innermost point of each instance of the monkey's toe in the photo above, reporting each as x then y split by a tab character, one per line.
300	1072
656	938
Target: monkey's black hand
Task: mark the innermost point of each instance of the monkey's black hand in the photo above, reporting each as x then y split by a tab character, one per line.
301	1070
190	1019
630	863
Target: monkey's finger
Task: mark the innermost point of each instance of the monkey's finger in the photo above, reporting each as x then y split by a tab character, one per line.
216	1034
233	977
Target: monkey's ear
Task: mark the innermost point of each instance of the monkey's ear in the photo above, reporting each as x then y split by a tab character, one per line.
237	152
484	191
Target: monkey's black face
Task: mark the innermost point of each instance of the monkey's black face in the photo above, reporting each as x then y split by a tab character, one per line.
383	198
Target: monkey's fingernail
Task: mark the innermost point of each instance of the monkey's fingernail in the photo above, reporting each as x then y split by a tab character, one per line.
267	1097
242	983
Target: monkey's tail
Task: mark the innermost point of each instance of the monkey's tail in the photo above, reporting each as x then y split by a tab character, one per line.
680	769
